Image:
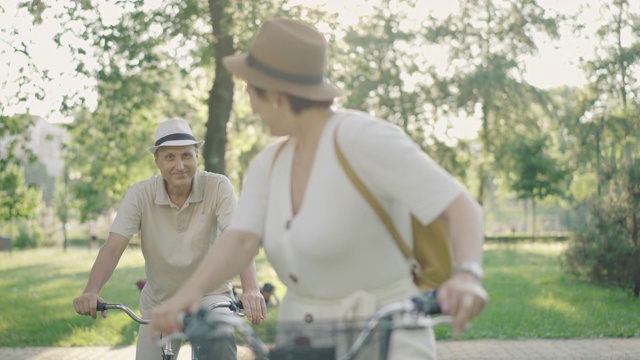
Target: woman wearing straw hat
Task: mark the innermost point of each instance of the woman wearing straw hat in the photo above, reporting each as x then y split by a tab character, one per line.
178	215
328	247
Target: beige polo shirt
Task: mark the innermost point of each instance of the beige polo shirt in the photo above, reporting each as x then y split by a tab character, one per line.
174	241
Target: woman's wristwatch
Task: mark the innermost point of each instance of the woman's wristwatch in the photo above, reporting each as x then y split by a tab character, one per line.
471	267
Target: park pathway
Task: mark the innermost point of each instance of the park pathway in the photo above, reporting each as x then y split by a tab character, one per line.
570	349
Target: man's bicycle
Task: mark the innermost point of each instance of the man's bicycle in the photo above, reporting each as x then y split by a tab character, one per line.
197	350
319	340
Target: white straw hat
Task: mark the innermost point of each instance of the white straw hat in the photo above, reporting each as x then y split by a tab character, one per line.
174	132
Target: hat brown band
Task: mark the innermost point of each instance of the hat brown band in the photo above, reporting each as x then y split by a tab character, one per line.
294	78
172	137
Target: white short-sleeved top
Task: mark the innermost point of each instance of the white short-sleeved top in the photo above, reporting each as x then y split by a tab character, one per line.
336	244
175	240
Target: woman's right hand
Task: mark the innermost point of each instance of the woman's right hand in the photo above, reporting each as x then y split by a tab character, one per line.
86	304
463	297
166	317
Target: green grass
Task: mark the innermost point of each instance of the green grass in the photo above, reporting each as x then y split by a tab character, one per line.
530	298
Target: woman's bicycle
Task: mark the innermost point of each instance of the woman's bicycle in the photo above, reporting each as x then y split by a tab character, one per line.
320	340
197	352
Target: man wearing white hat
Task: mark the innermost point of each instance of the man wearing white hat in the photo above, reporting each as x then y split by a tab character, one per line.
178	215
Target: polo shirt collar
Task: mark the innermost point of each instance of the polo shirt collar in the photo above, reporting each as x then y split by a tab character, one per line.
162	198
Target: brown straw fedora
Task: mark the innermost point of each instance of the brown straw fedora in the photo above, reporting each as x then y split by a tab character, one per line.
287	56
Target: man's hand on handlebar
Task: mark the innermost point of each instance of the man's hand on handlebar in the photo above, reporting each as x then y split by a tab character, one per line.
85	304
254	306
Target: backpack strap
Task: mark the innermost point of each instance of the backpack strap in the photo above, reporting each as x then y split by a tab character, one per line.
366	193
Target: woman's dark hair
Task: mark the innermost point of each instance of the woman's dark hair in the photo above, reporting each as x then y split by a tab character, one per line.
298	104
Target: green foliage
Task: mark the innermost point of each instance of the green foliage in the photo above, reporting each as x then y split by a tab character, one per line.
487	41
17	199
13	132
612	71
609	123
607	250
30	235
378	64
247	136
531	172
606	133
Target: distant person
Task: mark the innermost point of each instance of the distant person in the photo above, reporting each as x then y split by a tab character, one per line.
327	245
93	235
268	292
178	215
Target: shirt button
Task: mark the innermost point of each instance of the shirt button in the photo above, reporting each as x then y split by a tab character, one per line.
293	278
308	318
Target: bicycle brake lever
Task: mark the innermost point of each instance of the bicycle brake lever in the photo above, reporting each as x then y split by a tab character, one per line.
427	303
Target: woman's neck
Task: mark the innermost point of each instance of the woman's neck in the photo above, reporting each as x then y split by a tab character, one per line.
308	127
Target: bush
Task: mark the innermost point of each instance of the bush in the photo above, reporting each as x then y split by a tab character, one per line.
28	236
607	251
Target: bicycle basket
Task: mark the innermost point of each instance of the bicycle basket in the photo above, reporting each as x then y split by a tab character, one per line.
213	335
222	337
328	340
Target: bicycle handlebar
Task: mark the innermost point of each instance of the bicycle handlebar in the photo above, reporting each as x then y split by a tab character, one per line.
416	310
234	306
104	306
427	303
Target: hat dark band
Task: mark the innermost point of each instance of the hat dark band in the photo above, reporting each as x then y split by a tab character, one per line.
281	75
180	136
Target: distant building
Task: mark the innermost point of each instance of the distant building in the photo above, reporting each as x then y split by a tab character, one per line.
46	141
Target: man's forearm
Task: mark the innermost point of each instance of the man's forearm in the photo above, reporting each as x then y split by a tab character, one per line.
106	262
249	278
229	256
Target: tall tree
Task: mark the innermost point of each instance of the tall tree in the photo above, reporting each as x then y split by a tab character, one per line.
383	64
221	93
531	171
487	42
611	114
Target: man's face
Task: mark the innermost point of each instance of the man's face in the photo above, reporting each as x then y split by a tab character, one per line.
177	164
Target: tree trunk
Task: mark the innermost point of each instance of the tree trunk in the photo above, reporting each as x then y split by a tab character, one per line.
482	169
221	93
533	218
64	216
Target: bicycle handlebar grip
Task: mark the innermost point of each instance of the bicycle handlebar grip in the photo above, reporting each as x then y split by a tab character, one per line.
427	302
101	306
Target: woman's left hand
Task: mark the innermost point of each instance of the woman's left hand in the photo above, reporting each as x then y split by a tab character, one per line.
463	297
